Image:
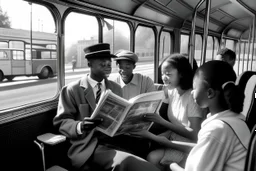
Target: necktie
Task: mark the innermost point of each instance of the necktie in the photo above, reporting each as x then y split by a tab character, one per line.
98	93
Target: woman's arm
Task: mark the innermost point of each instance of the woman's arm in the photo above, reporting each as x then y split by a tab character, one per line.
179	145
188	132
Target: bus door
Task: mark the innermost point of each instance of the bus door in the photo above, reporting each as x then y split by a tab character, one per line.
18	62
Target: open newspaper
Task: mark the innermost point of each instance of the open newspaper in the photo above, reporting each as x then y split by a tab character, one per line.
121	116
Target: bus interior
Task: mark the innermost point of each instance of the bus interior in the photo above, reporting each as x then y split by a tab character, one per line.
153	29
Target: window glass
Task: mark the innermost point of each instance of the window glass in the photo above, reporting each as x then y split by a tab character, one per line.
216	47
209	49
230	44
165	45
117	34
17	55
3	55
184	40
34	22
198	49
81	30
145	49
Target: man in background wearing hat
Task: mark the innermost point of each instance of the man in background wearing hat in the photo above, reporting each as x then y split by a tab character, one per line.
132	84
77	101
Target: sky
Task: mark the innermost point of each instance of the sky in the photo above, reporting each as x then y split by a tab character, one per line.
77	26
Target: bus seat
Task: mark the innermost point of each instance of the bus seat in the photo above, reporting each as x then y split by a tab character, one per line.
250	161
158	87
243	78
49	139
249	108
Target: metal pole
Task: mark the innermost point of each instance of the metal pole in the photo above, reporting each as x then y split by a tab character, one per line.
30	30
192	34
249	48
253	39
113	36
163	48
206	26
239	53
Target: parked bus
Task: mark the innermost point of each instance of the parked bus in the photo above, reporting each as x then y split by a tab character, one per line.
17	62
60	30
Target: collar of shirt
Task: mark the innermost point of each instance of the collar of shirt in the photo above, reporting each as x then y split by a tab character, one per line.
223	114
134	80
94	83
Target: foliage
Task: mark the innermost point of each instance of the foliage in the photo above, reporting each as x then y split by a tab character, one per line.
4	19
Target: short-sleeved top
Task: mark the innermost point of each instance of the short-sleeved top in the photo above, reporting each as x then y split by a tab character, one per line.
182	107
138	85
218	146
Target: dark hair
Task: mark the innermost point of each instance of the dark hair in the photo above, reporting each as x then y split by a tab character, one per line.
160	81
216	74
227	54
181	63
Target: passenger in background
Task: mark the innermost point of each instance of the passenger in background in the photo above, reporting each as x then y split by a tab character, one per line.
226	55
132	84
224	137
184	115
77	101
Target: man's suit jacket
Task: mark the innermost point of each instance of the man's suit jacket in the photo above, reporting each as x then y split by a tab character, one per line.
77	101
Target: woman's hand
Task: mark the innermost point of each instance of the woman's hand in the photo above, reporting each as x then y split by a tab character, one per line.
153	117
142	134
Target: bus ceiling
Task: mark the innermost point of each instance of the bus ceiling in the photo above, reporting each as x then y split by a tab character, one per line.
178	13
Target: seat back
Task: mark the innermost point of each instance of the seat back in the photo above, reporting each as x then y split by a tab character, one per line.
250	162
249	107
243	78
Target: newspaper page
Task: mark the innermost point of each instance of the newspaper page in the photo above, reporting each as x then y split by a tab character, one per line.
112	109
116	111
144	103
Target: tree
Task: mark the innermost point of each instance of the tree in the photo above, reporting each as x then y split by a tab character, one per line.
4	19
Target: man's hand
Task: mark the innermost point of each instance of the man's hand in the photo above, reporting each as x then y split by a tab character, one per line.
88	124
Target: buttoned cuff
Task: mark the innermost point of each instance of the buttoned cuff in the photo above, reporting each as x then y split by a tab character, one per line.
78	128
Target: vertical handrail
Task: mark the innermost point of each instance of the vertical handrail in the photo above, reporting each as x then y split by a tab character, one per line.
192	34
253	40
239	53
206	26
249	47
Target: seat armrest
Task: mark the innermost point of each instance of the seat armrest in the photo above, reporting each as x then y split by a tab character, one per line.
51	139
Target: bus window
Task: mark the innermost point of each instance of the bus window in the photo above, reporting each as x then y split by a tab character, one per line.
216	47
198	48
144	43
230	44
165	45
16	44
184	40
17	55
34	81
117	34
209	49
81	30
3	55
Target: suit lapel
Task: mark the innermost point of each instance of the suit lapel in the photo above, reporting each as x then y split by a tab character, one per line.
88	92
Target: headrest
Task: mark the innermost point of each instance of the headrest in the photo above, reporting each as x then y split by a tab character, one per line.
249	95
101	50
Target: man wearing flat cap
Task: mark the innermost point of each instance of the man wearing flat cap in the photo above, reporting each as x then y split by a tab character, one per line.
132	84
90	148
